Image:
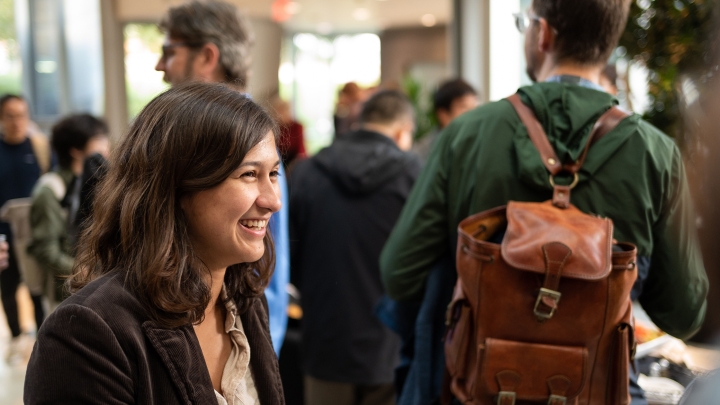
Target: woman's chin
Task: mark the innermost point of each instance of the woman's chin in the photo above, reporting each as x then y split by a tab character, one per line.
252	257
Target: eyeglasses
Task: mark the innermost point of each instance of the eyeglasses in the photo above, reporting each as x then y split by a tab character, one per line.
166	48
523	21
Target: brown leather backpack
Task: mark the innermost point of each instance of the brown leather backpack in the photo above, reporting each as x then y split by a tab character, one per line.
545	317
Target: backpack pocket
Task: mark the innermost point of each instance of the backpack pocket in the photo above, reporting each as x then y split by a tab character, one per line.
458	345
619	378
532	372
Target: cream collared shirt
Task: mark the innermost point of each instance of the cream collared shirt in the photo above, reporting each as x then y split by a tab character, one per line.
237	385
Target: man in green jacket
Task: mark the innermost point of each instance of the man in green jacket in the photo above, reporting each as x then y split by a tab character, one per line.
634	175
73	139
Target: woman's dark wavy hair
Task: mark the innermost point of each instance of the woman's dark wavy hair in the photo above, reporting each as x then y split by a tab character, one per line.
188	139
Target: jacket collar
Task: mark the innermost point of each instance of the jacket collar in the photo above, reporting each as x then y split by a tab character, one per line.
371	136
181	354
263	360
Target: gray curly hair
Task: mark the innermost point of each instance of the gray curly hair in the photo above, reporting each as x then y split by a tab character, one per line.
219	23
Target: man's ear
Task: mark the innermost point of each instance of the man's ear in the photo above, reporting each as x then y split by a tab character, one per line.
546	36
207	61
443	117
403	135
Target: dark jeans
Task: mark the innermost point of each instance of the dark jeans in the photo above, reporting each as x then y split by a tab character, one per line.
9	282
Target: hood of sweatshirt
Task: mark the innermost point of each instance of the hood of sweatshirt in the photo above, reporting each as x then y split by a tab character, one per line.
567	113
362	161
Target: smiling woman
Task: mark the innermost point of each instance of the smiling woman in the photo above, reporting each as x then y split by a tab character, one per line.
169	280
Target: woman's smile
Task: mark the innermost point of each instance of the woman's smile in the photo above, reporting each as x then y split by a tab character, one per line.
256	227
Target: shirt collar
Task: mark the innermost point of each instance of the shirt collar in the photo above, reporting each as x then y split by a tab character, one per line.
230	318
579	81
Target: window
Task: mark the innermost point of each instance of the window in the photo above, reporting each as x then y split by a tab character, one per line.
143	43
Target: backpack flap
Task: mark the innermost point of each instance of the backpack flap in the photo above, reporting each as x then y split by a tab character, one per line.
557	242
533	372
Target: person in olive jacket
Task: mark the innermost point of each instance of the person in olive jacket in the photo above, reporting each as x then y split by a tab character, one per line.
343	204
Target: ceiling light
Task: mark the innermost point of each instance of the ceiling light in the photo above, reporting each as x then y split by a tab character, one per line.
361	14
292	7
428	20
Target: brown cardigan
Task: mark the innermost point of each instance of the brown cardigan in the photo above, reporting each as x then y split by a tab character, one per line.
99	347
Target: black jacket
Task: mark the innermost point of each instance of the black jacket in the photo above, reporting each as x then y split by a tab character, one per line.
343	205
99	347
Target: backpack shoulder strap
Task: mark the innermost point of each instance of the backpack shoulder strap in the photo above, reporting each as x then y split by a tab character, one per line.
41	148
606	123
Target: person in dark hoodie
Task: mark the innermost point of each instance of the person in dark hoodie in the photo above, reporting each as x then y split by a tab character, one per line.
343	205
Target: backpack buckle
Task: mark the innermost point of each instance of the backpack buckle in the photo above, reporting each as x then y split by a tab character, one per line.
506	398
552	295
557	400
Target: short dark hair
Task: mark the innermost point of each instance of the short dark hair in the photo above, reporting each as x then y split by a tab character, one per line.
219	23
449	91
74	131
8	97
386	107
587	31
188	139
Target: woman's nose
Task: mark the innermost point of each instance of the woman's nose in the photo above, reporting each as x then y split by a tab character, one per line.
269	197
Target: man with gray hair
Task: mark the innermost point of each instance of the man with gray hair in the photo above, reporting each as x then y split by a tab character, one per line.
211	41
343	203
207	41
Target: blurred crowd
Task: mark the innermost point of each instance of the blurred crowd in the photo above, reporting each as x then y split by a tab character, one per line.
364	241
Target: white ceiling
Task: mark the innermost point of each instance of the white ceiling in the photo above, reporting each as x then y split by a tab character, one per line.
315	15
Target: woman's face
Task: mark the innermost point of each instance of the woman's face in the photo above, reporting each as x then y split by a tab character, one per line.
227	223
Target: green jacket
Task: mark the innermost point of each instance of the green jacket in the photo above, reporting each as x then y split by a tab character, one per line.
634	175
50	244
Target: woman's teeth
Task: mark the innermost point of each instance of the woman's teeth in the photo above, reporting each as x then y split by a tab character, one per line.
253	224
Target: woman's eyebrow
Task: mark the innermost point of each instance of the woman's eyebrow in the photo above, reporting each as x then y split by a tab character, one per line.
256	164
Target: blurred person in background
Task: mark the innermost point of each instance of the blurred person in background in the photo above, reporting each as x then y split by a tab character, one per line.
634	175
343	204
211	42
347	109
23	158
452	99
94	170
292	142
73	139
4	255
168	303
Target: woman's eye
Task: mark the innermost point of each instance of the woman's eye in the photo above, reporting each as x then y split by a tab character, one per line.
275	173
248	174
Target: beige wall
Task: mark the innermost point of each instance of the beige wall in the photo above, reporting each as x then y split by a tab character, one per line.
401	48
266	58
116	113
152	10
